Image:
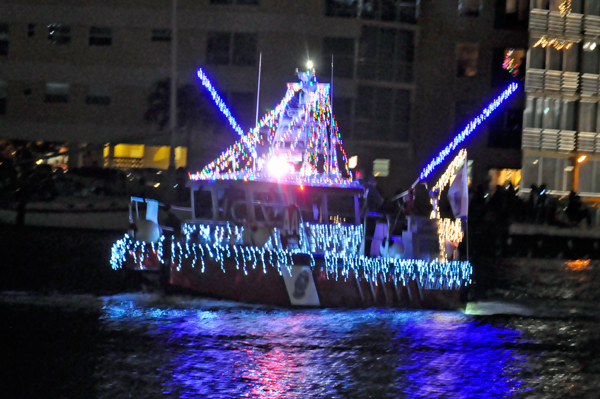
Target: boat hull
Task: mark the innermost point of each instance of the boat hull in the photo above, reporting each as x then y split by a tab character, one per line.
268	286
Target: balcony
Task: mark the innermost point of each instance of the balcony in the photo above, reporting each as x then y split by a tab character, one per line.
548	139
553	24
541	80
590	85
592	25
588	142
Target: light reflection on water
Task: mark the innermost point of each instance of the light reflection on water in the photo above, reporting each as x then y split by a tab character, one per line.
319	353
534	332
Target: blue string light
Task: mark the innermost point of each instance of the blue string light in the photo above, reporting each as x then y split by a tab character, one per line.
340	260
468	130
219	101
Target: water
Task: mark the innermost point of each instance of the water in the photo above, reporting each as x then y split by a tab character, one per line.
532	330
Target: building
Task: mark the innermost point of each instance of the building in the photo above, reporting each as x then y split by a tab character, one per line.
461	52
560	135
407	75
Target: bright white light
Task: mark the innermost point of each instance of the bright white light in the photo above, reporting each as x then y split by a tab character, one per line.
352	162
277	167
309	64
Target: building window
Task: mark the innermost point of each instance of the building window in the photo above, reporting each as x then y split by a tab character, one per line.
59	34
469	8
556	173
381	167
31	30
161	35
224	48
382	10
549	113
505	129
3	39
373	119
235	2
244	49
468	55
100	36
343	53
3	96
507	65
342	8
57	92
592	8
98	95
590	58
386	54
511	14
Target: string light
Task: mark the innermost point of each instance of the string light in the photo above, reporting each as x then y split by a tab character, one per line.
558	44
468	130
219	101
510	63
565	8
313	121
430	275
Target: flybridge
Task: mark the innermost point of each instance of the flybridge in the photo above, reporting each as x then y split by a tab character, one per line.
296	143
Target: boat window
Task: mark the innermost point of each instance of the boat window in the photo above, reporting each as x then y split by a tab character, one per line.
269	206
233	205
203	204
341	208
309	204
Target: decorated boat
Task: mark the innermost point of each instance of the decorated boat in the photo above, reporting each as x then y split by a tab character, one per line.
278	219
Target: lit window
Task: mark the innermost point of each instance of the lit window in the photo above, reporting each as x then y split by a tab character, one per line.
98	95
469	8
3	95
3	39
100	36
57	93
59	34
468	54
381	167
161	35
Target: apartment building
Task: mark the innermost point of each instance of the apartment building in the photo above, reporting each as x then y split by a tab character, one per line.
461	66
561	120
407	75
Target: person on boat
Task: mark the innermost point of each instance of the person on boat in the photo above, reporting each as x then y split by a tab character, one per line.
172	221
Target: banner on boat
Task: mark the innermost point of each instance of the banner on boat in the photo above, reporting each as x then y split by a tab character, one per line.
300	286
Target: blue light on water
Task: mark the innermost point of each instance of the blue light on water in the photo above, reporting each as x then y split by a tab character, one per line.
233	352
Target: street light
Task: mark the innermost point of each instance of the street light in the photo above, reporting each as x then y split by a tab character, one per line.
309	65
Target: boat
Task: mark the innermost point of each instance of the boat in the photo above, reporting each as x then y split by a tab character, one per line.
278	220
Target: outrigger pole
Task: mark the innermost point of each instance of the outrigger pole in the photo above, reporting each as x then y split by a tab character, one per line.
459	138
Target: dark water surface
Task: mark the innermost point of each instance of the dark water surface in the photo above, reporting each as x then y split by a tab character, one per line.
532	330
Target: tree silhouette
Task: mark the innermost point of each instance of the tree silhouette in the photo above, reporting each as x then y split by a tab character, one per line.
193	108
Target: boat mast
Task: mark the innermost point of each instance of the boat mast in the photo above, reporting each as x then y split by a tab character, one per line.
257	100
